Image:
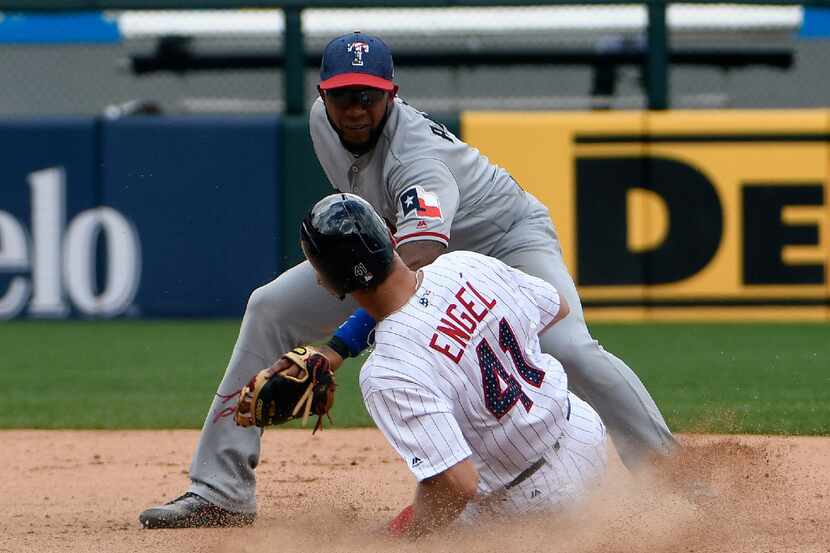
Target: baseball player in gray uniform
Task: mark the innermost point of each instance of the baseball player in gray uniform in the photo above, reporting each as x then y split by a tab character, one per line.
439	194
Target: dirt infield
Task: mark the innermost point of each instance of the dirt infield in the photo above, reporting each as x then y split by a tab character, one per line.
82	492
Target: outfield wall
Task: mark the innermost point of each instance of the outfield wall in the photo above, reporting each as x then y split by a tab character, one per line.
661	215
139	217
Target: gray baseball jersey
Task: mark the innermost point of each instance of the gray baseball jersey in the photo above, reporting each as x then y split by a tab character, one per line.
425	181
458	372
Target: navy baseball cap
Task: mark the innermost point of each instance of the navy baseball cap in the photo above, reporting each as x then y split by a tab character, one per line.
357	59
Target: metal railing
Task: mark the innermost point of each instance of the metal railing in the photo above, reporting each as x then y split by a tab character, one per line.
657	54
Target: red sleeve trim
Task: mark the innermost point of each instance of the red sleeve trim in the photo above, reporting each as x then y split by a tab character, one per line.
424	233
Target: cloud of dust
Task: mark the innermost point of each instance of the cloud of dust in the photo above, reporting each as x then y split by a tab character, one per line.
705	498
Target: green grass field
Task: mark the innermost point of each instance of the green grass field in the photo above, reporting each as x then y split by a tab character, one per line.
734	378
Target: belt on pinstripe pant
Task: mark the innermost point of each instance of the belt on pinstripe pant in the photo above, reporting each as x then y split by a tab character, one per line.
531	470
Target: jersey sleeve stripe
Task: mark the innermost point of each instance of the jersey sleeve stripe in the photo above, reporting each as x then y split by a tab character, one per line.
423	235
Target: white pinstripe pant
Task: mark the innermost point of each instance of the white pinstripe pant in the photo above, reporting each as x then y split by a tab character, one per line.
571	470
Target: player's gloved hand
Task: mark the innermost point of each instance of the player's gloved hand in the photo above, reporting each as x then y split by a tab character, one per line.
300	383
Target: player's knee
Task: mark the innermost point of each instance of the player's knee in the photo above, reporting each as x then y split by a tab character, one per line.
256	300
271	303
572	348
263	302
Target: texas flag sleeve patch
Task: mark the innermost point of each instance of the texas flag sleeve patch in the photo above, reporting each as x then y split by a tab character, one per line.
425	204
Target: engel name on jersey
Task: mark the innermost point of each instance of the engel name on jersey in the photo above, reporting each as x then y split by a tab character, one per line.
457	372
427	182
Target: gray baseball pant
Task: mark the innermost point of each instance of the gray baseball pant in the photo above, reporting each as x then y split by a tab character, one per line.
633	420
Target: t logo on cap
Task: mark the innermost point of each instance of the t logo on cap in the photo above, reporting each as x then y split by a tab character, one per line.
357	59
358	48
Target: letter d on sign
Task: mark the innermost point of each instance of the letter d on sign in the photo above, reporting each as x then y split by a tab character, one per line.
694	227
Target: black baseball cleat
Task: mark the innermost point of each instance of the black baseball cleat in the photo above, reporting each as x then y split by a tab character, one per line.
193	511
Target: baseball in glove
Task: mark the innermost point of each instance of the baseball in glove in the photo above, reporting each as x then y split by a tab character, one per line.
299	384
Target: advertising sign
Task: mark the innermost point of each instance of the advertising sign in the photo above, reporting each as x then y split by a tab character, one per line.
680	214
156	217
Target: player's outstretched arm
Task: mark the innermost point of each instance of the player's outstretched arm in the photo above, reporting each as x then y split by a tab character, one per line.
438	501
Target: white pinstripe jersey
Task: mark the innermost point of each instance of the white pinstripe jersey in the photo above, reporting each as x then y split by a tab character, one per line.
458	372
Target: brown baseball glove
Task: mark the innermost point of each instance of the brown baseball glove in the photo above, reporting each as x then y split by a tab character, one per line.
299	384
